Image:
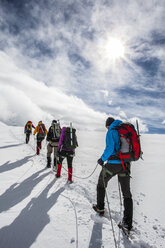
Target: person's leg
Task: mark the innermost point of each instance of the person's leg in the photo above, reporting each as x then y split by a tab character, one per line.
38	146
49	151
55	156
127	199
102	184
26	138
59	164
70	170
108	171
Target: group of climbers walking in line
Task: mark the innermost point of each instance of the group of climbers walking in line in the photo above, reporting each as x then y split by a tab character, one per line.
61	142
122	147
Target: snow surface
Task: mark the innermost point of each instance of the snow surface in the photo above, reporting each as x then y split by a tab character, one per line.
38	210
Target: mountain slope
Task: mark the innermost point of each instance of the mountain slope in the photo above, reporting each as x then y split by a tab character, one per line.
38	210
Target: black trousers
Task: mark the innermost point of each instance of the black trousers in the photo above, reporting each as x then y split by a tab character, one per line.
106	174
68	155
27	137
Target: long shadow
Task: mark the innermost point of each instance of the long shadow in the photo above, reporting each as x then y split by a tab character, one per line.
24	230
96	237
9	146
11	166
18	192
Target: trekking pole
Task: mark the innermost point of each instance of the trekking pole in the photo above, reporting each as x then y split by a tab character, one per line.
119	193
71	134
109	210
138	133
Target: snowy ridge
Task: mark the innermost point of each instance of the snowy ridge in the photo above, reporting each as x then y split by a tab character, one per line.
38	210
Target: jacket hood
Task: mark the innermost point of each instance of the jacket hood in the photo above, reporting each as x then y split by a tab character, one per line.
115	123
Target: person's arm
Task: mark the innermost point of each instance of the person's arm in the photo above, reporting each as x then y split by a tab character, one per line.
35	131
110	145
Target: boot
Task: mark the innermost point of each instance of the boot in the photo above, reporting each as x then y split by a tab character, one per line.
58	170
38	150
48	162
70	175
98	210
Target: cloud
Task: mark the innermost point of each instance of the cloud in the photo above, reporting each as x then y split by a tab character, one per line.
60	44
24	98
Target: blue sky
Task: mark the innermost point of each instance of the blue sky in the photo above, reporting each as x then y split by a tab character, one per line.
62	45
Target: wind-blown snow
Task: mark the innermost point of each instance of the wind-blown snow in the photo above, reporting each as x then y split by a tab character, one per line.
38	210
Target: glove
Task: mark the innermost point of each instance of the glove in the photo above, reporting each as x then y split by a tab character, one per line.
100	161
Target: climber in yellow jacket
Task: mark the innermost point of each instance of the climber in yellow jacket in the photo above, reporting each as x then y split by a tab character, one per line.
41	132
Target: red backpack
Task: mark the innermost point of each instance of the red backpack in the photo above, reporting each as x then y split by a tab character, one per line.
130	148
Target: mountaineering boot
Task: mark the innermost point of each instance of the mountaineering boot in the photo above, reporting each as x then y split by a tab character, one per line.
70	175
98	210
38	150
48	162
58	170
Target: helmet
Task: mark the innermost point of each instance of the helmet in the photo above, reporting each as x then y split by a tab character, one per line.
40	122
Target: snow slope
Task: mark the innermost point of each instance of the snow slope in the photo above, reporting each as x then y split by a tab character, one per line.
38	210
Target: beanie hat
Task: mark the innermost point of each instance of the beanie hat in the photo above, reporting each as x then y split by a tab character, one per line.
109	121
53	122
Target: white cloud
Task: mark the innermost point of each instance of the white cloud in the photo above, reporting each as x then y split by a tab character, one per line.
53	76
24	98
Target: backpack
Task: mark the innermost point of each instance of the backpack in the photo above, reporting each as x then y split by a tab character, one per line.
56	131
70	139
42	130
130	149
28	127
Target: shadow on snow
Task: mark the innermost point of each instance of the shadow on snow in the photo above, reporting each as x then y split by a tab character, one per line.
23	231
11	166
19	191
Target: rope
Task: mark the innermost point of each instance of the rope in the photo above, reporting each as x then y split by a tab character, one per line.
75	217
81	177
109	210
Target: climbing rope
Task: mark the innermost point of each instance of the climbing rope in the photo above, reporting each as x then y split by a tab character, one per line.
81	177
75	217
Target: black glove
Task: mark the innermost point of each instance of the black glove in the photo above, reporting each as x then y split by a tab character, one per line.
100	162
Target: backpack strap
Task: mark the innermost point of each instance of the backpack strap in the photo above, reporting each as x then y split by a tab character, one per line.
121	160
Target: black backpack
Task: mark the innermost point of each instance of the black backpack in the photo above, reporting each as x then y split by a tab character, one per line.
70	139
55	132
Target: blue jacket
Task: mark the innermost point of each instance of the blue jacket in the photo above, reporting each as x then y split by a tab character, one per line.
112	143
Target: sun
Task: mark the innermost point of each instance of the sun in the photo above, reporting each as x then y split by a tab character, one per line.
114	49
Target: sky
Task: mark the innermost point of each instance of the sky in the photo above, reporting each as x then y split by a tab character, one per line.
82	61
